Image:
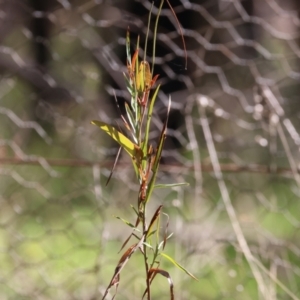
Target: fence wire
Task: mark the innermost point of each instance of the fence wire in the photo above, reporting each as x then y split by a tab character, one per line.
233	135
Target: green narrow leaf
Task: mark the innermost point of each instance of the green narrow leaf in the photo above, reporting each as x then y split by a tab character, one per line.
136	68
127	223
151	233
131	120
133	150
158	155
162	139
179	266
136	212
155	35
170	235
148	245
170	185
160	244
128	47
128	85
149	116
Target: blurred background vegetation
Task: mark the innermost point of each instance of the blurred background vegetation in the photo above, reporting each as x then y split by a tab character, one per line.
233	135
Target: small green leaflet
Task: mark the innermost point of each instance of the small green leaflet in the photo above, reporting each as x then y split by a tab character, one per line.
127	223
178	265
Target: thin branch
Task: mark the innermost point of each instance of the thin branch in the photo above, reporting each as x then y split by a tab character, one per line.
229	207
172	168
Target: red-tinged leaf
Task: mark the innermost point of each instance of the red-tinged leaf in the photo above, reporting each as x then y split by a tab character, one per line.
134	59
125	242
154	218
153	80
116	284
122	262
126	254
154	271
179	266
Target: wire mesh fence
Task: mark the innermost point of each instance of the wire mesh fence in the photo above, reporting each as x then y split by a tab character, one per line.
233	134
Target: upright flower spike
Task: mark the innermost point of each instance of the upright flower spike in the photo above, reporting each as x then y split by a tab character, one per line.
144	77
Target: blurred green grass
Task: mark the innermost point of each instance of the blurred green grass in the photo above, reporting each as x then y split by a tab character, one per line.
66	245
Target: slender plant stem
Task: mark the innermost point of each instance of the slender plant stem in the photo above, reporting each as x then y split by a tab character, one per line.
147	271
148	28
145	252
155	35
181	32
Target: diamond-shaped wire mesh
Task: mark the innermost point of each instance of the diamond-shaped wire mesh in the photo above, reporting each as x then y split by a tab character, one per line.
233	135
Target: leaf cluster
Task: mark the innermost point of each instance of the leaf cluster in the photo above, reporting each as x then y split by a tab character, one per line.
146	159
